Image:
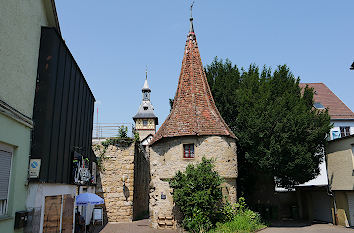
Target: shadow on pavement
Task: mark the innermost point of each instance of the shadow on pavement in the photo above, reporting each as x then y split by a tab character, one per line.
290	223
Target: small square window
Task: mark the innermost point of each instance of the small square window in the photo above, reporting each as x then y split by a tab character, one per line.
188	151
344	131
145	122
318	105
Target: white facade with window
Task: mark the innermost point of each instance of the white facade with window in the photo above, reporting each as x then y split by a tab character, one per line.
36	202
338	126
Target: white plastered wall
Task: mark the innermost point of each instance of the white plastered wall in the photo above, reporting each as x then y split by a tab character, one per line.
38	192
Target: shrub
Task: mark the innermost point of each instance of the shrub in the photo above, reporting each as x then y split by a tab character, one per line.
198	194
123	132
240	219
246	221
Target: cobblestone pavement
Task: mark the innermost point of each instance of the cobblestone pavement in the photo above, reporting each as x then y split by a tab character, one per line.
321	228
141	226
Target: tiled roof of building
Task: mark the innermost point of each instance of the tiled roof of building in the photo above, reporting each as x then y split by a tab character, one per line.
194	111
336	108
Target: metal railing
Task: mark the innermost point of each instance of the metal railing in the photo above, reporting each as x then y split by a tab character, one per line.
101	131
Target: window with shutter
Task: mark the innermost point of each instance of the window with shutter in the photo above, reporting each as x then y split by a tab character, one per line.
188	151
5	172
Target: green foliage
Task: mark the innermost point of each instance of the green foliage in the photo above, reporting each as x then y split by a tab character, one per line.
117	141
136	134
280	133
198	194
245	221
136	137
238	218
100	152
123	132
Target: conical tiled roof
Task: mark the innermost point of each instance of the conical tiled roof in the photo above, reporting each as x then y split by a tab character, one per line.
194	111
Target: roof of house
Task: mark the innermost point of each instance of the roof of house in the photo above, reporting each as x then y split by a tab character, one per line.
336	108
194	111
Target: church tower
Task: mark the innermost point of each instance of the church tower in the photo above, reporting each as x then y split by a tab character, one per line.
145	120
194	129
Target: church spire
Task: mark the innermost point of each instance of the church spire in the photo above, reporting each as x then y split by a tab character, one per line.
146	85
145	119
194	112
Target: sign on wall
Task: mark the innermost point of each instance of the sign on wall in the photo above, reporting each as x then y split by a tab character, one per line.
81	170
35	167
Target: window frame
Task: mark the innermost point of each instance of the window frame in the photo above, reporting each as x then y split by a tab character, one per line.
145	121
190	155
344	131
10	150
318	105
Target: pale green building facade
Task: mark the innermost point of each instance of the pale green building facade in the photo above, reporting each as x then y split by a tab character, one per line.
20	33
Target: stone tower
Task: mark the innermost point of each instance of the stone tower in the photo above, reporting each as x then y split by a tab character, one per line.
145	120
194	129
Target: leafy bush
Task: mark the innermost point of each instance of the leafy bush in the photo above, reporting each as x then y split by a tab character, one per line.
240	219
246	221
198	194
123	132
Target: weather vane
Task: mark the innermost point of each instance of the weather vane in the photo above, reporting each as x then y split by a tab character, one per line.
146	72
192	8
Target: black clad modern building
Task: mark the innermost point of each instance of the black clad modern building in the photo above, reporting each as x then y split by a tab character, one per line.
61	156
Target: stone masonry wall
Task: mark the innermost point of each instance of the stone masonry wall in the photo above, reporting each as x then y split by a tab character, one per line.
166	158
119	161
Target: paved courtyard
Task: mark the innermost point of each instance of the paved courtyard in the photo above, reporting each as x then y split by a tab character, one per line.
321	228
141	226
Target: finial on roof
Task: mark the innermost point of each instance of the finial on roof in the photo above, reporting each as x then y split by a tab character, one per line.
146	85
146	72
191	30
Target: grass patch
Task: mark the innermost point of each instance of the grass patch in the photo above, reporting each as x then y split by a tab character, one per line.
244	221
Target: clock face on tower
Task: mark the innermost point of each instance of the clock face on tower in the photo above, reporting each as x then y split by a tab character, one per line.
146	96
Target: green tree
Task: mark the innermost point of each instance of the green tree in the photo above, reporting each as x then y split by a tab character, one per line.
279	132
123	131
198	194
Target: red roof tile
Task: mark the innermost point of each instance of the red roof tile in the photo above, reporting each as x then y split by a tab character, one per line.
194	111
336	108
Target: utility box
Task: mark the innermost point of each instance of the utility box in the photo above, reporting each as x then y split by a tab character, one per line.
21	218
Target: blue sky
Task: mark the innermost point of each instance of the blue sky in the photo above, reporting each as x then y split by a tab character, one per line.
113	41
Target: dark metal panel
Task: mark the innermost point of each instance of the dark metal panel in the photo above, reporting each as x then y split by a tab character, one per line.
85	125
54	163
78	117
67	109
73	102
63	110
68	133
81	122
64	76
44	97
